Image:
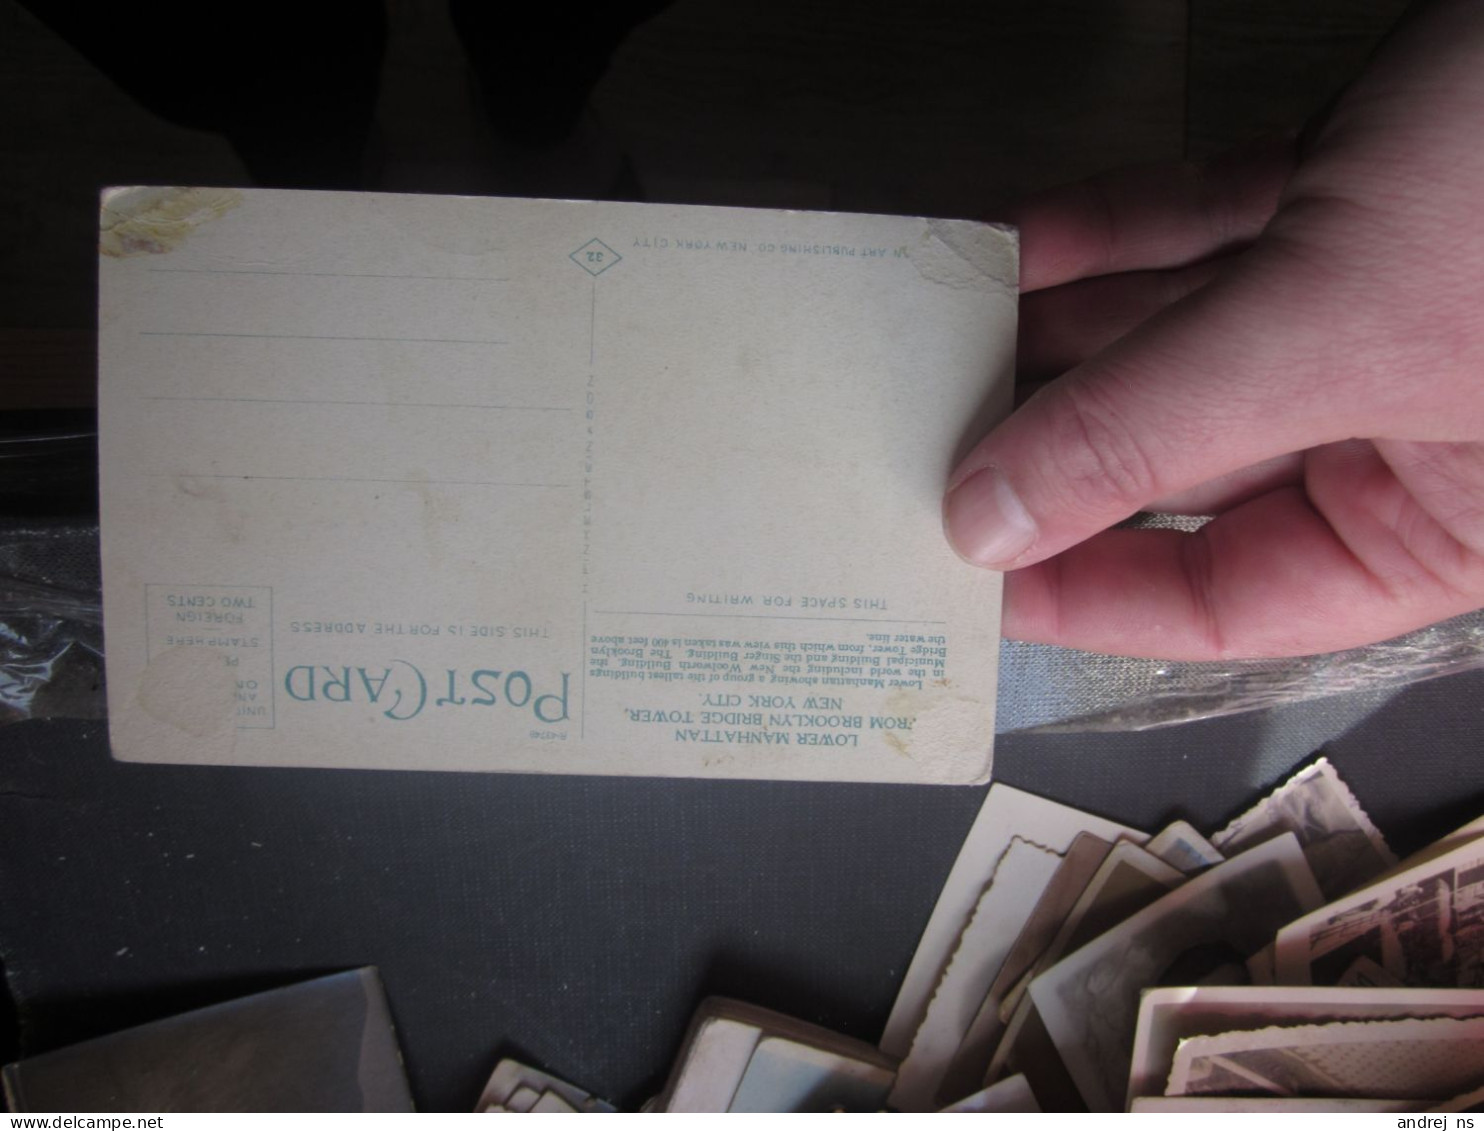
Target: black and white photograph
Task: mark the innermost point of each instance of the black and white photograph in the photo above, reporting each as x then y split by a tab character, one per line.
1205	928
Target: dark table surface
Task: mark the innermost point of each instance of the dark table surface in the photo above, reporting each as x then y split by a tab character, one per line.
576	922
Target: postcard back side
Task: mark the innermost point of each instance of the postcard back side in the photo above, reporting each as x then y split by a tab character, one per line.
540	486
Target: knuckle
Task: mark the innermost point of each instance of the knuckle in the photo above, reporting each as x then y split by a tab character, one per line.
1447	482
1104	464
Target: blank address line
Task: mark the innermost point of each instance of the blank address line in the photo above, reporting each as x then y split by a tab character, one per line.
376	404
359	479
323	337
329	274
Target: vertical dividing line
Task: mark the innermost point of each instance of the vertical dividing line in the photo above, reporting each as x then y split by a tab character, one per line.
582	731
272	665
592	354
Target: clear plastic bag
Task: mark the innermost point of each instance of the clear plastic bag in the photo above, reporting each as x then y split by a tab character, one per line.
1057	689
1049	689
51	621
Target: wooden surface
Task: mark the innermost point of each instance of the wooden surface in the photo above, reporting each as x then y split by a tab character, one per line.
950	107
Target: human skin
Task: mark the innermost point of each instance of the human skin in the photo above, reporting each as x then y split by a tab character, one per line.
1291	339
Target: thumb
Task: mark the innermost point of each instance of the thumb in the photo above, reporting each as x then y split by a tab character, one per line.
1213	384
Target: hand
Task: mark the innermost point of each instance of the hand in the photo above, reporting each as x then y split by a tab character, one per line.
1292	340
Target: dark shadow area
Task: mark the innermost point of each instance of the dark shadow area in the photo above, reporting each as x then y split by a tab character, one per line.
1415	763
298	105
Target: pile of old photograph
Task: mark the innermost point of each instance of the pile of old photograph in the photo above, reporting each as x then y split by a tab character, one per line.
1287	963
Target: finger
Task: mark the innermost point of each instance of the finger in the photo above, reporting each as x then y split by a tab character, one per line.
1239	372
1271	578
1215	495
1151	217
1064	326
1227	491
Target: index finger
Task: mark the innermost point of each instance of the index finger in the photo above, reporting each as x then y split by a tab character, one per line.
1150	217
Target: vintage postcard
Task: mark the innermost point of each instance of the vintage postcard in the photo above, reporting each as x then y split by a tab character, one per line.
1407	1059
416	482
519	1087
786	1075
1019	882
1128	880
1424	927
1006	814
710	1065
1012	1094
975	1052
1170	1014
323	1045
1343	847
1027	1049
800	1063
1081	864
1089	1001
